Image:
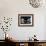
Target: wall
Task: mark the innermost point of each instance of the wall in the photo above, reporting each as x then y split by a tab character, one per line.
11	8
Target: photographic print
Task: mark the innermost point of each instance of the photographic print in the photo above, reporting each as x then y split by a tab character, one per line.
25	20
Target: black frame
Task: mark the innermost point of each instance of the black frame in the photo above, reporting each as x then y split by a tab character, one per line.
27	16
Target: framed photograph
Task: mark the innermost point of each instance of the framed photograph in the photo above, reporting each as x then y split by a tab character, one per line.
25	19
